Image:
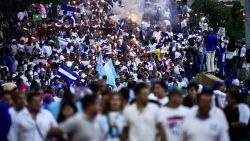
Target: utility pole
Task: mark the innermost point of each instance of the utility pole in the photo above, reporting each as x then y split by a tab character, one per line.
247	23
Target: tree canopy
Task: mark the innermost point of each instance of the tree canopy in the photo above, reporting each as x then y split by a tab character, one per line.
220	15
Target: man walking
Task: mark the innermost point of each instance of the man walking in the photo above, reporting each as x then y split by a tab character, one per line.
202	126
142	118
173	115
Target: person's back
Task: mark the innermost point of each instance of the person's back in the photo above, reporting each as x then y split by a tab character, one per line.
210	41
80	127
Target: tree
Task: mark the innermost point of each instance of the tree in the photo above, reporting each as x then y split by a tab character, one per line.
220	15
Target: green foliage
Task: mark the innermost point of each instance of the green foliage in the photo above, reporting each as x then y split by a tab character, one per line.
220	15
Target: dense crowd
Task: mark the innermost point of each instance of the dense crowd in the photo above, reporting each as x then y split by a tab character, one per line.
53	88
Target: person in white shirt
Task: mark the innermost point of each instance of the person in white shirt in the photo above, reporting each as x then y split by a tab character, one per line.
118	85
59	95
46	49
112	119
29	47
33	123
13	47
173	115
157	34
202	126
142	118
160	93
219	98
19	101
20	46
82	126
181	83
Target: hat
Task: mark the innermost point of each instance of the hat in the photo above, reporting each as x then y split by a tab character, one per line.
13	40
236	82
175	91
9	87
14	75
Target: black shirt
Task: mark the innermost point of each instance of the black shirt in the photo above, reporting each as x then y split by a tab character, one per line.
233	115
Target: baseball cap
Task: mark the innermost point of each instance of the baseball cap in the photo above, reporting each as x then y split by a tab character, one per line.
236	82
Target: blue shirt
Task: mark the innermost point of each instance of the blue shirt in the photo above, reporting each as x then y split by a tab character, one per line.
54	107
211	42
5	121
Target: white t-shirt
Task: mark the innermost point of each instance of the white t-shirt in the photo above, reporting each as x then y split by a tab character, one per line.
181	84
118	88
157	35
214	112
112	125
80	128
47	49
244	113
142	125
13	113
20	47
162	101
221	98
28	129
211	129
165	48
172	120
13	49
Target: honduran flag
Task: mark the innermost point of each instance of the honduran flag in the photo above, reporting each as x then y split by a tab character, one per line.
109	71
99	64
67	74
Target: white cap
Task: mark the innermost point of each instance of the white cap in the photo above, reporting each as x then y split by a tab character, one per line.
236	82
14	75
9	86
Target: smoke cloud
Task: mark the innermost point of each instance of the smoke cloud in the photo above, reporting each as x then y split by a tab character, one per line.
143	11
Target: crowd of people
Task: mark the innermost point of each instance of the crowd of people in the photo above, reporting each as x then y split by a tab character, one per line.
152	98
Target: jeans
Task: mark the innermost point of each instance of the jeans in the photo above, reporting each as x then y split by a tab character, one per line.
201	62
210	61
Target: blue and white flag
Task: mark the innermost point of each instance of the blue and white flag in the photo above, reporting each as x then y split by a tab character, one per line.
109	71
99	64
67	74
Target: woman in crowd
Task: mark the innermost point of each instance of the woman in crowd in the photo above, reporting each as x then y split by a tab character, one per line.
112	120
67	109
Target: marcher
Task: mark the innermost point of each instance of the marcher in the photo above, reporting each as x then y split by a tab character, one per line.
203	126
32	123
173	115
136	128
81	126
73	57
